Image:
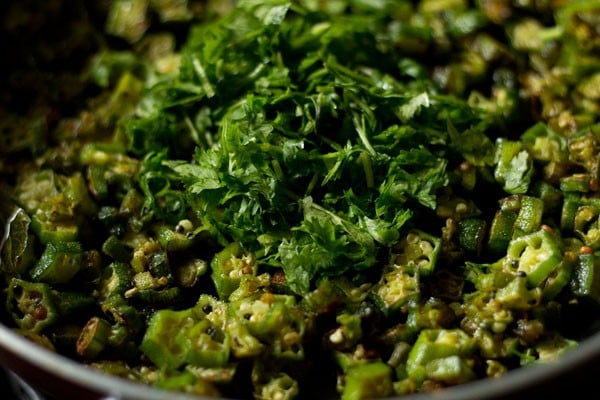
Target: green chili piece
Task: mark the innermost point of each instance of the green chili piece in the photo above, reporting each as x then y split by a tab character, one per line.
30	305
368	381
59	262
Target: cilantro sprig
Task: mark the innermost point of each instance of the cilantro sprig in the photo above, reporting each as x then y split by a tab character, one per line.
316	141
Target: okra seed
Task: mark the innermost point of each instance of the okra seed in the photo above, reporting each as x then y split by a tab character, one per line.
336	337
461	208
465	166
184	226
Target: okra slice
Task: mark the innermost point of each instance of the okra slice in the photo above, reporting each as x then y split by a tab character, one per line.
529	218
30	305
368	381
228	266
181	237
204	344
434	345
501	231
472	233
93	338
59	263
585	282
397	287
536	255
159	343
418	250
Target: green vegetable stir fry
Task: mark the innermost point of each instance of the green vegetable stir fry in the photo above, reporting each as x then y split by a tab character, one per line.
283	199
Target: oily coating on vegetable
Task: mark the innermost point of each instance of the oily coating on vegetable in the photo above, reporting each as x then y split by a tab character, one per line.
383	199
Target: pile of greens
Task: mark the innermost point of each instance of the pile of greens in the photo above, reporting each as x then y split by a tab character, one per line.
388	197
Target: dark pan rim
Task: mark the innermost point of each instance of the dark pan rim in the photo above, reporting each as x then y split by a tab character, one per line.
26	359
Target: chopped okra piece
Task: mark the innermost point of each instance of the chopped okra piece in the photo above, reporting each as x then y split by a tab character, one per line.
517	296
472	234
179	238
116	279
31	305
204	344
585	282
432	345
348	333
280	386
450	370
418	250
228	266
217	375
116	249
187	382
536	255
529	218
274	319
57	204
368	380
397	287
269	381
188	273
571	204
72	303
501	231
243	344
576	183
59	263
160	344
93	338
